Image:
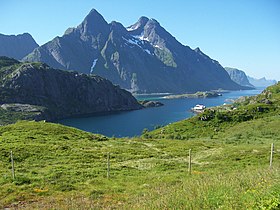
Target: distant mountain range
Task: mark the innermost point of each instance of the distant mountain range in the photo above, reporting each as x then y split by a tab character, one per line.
238	76
36	88
262	82
17	46
142	58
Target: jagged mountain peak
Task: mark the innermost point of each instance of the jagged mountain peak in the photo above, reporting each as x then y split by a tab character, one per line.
151	30
133	56
117	26
153	22
200	53
197	50
139	24
93	23
143	19
142	24
93	14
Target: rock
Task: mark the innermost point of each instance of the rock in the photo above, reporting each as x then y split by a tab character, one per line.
260	109
148	104
132	57
22	108
62	93
17	46
266	101
206	94
239	77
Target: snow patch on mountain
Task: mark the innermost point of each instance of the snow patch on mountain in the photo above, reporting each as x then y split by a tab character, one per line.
157	46
132	28
148	51
137	42
141	37
133	41
93	65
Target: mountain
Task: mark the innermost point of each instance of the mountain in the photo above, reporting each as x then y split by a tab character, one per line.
141	58
59	94
238	76
17	46
262	82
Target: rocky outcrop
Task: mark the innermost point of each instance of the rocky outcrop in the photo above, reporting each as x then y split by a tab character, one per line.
17	46
239	77
207	94
62	93
143	58
149	104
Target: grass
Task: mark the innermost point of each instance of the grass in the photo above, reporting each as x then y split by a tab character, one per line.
239	190
215	121
60	167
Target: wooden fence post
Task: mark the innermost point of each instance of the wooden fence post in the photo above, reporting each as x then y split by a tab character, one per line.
271	155
108	165
13	166
190	161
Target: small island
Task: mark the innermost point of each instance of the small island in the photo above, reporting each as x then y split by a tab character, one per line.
200	94
148	104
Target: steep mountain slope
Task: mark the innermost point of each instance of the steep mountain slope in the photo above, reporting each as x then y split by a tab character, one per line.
262	82
17	46
238	76
142	58
58	93
78	48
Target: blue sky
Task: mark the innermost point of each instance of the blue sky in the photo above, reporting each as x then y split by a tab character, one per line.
238	33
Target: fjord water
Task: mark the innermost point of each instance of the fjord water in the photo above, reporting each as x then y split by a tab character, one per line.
132	123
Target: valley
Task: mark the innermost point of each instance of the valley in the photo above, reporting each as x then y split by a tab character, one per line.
139	105
59	167
132	123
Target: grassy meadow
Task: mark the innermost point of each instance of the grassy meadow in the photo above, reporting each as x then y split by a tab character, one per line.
58	167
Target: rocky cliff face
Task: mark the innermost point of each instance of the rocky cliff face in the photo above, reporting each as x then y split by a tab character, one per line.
141	58
238	76
16	46
63	93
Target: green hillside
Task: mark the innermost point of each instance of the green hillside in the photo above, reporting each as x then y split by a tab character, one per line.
57	167
216	121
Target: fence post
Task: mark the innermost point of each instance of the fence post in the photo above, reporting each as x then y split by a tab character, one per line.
271	155
190	161
13	166
108	165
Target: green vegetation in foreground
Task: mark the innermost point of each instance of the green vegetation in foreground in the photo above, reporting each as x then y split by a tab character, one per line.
214	122
58	167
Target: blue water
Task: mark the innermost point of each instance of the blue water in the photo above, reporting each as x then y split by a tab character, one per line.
132	123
